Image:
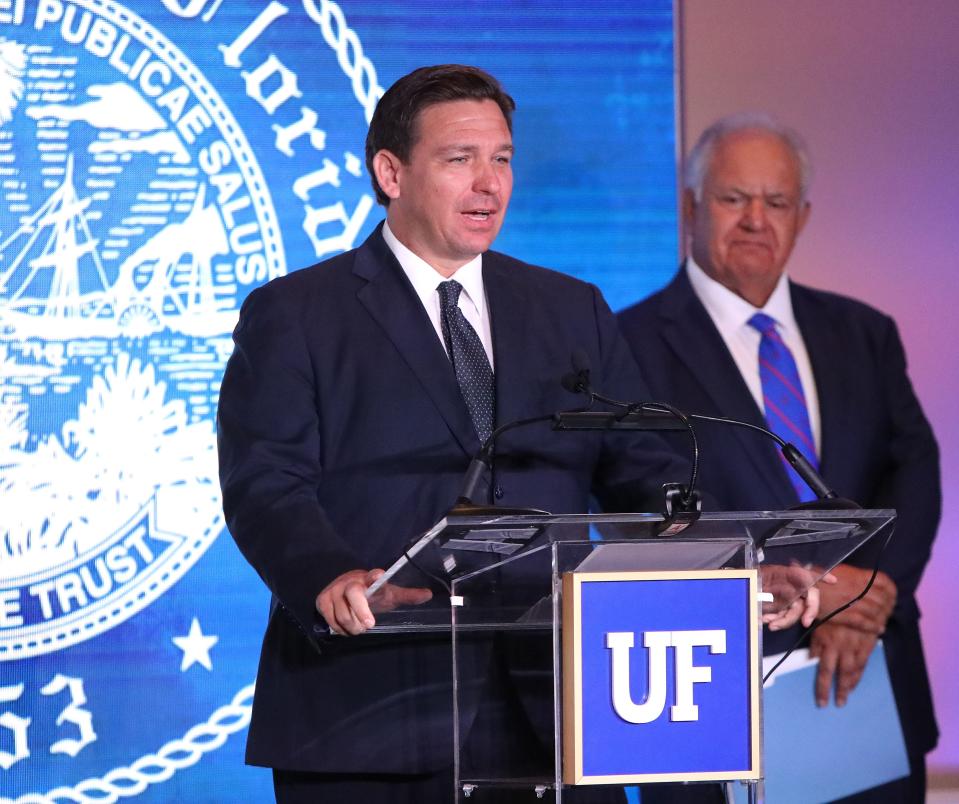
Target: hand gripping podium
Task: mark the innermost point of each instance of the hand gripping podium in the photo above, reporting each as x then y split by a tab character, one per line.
589	651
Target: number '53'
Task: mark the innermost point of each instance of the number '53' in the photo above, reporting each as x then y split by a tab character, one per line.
72	715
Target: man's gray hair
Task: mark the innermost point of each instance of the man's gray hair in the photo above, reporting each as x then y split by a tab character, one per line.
699	158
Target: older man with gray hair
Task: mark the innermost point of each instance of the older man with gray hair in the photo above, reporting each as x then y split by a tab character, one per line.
733	335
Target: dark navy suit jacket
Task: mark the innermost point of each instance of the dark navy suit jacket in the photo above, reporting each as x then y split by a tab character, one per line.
877	446
342	434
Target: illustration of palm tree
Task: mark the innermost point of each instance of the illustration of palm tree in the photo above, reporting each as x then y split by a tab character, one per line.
127	441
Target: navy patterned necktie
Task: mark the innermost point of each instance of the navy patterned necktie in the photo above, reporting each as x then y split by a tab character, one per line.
472	368
783	398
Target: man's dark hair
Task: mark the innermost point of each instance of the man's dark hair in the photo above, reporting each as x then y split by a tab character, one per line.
394	122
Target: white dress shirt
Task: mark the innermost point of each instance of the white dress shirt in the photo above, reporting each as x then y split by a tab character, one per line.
731	313
425	279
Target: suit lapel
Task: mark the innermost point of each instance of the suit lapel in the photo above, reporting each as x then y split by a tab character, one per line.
823	341
509	320
685	322
391	301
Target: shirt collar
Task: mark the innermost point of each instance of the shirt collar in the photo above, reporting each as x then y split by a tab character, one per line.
425	278
731	311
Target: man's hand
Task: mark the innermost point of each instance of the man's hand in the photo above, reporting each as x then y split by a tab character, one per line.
796	585
842	652
869	614
346	609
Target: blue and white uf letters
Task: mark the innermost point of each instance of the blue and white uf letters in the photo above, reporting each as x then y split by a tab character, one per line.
685	672
664	677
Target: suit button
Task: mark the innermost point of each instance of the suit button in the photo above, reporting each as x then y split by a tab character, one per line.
498	492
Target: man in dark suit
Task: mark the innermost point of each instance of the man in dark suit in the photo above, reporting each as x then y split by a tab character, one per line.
357	393
700	346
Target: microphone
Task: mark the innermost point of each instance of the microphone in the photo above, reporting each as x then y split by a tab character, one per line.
577	381
633	416
634	419
479	465
795	459
682	505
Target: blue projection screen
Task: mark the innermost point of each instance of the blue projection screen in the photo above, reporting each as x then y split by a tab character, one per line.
158	160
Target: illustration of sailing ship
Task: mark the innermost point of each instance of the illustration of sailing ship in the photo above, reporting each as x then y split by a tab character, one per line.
55	286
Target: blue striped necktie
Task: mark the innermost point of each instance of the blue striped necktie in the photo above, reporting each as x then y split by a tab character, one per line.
786	412
470	364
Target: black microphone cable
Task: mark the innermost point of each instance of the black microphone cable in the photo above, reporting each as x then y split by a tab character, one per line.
811	478
578	382
834	613
482	462
689	494
431	575
790	452
575	382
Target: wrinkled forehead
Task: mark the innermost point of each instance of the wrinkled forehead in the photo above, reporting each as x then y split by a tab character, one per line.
757	159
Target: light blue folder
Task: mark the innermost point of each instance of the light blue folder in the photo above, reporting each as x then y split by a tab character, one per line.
817	755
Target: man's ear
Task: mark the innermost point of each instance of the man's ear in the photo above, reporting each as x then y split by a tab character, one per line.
689	208
803	216
386	167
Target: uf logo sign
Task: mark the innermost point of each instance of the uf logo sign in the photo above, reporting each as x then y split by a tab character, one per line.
660	676
685	673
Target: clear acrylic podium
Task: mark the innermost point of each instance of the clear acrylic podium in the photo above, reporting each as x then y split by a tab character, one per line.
498	588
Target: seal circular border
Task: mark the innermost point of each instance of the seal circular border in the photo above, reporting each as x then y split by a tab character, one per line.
71	630
241	706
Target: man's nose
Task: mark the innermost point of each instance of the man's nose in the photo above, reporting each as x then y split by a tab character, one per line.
754	215
486	178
